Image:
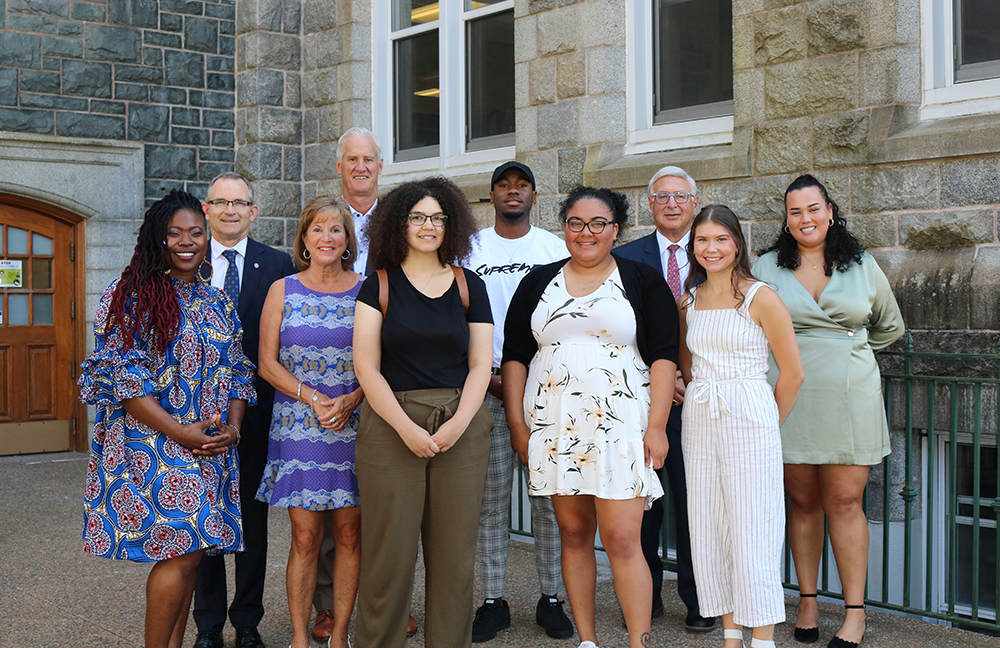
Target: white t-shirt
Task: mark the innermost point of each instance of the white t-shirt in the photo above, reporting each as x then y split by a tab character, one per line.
502	263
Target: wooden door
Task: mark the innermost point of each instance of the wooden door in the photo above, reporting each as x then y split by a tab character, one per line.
38	359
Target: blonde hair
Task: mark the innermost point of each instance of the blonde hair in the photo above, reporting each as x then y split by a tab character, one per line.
309	214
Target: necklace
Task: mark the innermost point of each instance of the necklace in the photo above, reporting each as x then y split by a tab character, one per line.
426	283
814	265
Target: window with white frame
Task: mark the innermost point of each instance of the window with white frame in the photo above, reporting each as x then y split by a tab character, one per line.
444	80
680	92
961	49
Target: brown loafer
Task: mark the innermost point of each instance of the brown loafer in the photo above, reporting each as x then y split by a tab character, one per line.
323	628
411	627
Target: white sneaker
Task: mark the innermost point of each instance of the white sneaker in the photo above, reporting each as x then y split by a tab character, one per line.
587	644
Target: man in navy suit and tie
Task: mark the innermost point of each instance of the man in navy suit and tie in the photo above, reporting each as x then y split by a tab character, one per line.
673	199
245	269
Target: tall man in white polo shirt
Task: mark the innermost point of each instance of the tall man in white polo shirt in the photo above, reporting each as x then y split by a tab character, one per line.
359	164
503	255
673	199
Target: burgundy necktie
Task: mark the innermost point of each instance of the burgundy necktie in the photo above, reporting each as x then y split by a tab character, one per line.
673	272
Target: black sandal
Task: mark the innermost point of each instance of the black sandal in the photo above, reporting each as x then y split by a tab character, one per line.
806	635
837	642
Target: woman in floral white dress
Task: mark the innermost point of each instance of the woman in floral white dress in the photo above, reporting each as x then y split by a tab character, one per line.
587	341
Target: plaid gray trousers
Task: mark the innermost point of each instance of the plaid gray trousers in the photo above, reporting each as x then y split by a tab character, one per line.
494	534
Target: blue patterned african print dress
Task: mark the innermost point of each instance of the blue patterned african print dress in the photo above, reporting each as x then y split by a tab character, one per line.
148	498
308	466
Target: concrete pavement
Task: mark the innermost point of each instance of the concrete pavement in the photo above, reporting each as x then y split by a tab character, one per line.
53	595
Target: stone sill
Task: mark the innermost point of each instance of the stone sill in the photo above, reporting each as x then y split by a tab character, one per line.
940	138
607	166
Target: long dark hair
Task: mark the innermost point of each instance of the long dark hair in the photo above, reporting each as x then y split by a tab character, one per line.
386	229
724	216
616	203
842	247
145	298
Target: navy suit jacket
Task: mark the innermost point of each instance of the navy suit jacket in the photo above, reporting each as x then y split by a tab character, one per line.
262	266
645	250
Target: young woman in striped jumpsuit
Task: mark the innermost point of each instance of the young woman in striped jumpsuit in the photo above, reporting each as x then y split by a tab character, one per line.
732	444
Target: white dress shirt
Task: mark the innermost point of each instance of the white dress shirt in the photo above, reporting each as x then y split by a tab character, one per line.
220	264
682	256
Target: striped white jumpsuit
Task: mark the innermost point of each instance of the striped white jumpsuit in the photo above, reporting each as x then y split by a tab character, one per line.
732	458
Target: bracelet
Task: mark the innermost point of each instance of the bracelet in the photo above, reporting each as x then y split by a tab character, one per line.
298	392
313	399
237	433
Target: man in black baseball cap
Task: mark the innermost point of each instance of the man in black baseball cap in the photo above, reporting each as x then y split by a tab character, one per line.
502	255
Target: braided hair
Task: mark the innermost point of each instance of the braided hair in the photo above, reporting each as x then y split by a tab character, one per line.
145	298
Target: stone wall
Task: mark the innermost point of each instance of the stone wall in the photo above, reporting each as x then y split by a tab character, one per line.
269	115
158	73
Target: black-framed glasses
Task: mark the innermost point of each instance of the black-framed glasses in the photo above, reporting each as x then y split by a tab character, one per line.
663	197
417	220
238	204
596	226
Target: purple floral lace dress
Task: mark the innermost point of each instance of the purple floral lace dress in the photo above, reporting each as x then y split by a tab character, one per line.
147	498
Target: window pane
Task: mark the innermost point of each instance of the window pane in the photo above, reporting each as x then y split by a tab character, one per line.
41	309
491	76
693	56
40	244
41	274
417	93
978	51
17	241
17	309
476	4
406	13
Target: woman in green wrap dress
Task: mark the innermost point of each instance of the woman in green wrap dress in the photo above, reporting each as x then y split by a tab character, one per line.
843	311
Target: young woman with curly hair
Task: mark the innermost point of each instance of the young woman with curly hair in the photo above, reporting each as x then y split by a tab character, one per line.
423	350
843	310
171	383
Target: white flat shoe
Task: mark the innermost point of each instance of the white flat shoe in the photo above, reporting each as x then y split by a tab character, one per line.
329	642
733	634
761	643
587	644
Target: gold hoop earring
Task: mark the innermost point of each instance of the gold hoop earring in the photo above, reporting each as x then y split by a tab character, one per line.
201	271
831	222
306	255
787	231
167	272
346	255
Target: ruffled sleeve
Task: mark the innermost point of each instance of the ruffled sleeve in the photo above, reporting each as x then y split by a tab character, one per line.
242	376
111	374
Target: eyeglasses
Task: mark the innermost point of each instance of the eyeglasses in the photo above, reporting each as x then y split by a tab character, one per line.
663	197
418	220
595	226
238	204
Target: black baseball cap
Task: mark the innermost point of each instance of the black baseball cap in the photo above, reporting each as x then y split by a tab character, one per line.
507	166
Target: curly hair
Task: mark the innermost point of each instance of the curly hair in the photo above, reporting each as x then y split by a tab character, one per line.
330	204
842	247
616	203
145	297
724	216
386	229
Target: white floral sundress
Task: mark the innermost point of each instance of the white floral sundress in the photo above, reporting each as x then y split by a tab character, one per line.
587	397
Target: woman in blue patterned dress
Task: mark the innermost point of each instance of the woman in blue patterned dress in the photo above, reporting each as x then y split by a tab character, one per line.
306	343
170	383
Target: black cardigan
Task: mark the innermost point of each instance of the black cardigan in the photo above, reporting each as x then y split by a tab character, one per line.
656	322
